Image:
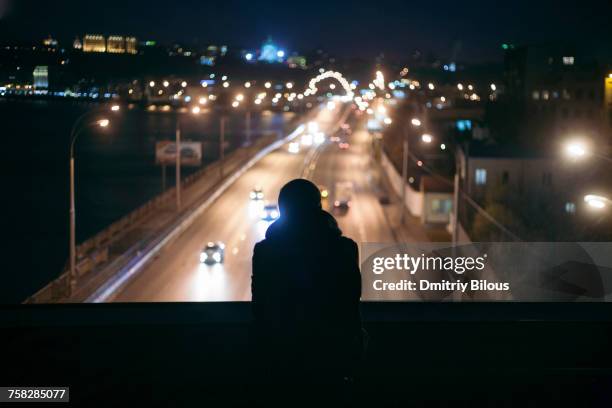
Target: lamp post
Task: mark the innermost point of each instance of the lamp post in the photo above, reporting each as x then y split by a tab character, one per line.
78	126
406	147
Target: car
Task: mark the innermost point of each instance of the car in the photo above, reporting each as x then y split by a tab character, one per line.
270	212
294	147
213	253
256	194
343	195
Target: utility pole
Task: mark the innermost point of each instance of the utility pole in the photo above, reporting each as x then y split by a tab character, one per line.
221	144
178	163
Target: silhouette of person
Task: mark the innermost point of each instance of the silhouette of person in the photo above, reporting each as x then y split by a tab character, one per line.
306	287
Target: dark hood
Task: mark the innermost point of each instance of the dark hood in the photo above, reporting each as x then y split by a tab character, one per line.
319	225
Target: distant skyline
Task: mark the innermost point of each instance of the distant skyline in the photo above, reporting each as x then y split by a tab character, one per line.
474	28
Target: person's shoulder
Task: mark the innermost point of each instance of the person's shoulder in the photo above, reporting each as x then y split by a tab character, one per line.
348	244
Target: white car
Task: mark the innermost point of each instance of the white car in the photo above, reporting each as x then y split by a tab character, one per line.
257	194
270	212
213	253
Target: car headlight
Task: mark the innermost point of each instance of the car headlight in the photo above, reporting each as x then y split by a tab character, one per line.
217	257
203	257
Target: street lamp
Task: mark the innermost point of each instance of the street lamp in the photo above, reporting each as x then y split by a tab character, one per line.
426	138
597	202
578	150
416	123
78	126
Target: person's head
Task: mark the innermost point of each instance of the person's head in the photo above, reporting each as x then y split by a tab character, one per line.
299	198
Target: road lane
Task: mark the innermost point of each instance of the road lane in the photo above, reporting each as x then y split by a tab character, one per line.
177	275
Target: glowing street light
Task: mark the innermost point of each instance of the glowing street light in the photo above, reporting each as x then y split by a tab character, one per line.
415	122
289	85
597	202
115	108
166	84
427	138
267	85
240	97
152	84
103	123
235	104
196	110
576	150
387	121
247	84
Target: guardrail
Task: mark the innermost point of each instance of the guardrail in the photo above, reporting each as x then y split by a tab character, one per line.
94	252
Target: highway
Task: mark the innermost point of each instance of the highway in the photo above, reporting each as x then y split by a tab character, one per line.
177	275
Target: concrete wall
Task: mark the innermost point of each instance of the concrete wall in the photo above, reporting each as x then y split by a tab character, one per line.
414	199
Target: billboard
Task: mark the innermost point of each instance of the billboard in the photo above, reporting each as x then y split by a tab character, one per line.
191	153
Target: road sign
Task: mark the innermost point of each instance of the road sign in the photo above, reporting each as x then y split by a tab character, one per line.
191	153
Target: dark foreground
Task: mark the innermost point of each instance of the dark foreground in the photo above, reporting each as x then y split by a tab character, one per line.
420	354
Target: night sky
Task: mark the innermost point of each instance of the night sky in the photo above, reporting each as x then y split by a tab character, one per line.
363	28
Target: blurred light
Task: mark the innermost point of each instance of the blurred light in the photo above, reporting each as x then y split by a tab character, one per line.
184	84
576	150
415	122
103	122
431	86
235	104
331	105
493	87
596	201
460	87
203	100
115	108
226	84
166	84
239	97
280	53
267	85
289	85
247	84
224	78
427	138
152	84
443	146
387	121
248	56
195	110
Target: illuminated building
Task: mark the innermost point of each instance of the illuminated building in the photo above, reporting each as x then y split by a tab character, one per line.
41	77
94	43
50	43
270	52
115	44
77	44
131	45
296	61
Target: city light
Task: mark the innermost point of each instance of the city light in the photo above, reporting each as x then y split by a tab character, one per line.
596	201
415	122
184	84
431	86
203	100
460	87
235	104
240	97
152	84
226	84
289	85
103	123
195	110
442	146
267	85
166	84
248	56
280	53
115	108
576	149
427	138
247	84
387	121
493	87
